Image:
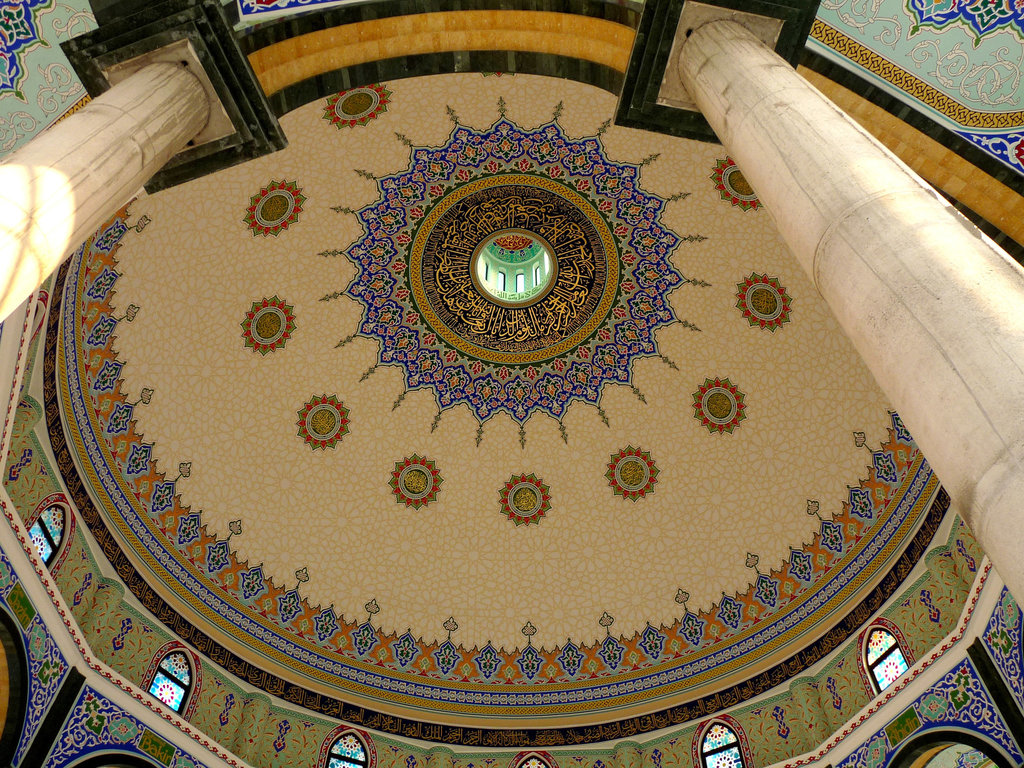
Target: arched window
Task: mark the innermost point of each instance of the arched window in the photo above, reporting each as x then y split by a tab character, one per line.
720	747
47	532
533	760
346	747
883	657
172	681
536	274
347	751
520	282
501	279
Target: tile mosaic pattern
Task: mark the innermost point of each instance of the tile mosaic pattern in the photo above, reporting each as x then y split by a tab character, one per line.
47	666
867	505
958	700
97	725
1004	638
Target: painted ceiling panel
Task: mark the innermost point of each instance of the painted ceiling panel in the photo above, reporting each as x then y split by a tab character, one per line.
316	442
958	62
36	83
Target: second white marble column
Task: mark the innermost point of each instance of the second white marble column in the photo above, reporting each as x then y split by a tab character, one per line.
935	309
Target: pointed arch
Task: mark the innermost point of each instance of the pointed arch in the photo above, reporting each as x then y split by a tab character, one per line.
347	747
50	527
13	648
533	759
175	678
721	743
884	656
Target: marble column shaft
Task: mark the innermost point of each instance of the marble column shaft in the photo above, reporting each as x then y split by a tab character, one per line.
934	308
61	186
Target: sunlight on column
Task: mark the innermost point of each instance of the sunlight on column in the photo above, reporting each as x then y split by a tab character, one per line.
37	217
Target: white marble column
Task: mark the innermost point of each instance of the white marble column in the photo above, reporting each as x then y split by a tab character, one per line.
935	308
57	189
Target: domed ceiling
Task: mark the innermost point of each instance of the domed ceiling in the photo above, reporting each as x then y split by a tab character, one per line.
317	438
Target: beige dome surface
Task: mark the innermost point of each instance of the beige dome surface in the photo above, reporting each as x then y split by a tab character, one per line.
640	524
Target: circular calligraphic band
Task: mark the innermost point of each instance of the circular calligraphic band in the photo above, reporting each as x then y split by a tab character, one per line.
581	291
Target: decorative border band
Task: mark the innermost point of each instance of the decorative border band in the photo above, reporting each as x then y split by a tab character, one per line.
913	86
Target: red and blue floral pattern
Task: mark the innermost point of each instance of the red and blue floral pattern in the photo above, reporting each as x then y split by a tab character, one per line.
646	275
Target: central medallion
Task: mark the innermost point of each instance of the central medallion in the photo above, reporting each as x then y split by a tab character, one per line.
514	271
514	268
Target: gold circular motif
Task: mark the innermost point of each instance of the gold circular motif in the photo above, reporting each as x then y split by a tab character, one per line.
718	405
356	103
525	498
588	311
274	208
414	482
267	326
763	302
632	473
323	421
739	183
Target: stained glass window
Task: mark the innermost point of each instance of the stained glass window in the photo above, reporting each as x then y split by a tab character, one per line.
47	532
721	748
347	751
533	761
173	680
885	659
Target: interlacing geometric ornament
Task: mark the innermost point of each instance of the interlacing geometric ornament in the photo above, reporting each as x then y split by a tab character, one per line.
419	271
356	106
763	301
323	421
718	405
733	186
525	499
632	473
18	35
47	666
268	324
274	208
415	481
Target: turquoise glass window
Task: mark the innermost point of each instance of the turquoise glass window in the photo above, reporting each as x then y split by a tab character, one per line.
721	748
347	751
47	532
885	659
173	680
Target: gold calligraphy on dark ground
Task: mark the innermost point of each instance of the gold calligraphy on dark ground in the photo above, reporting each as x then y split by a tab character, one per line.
581	284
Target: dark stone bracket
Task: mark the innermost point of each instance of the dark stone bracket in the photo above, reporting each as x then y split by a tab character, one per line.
129	29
